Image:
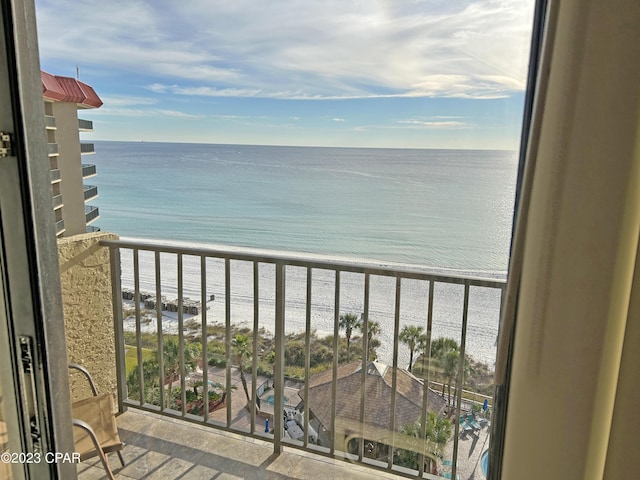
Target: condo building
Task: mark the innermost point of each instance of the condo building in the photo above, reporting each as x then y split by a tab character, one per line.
63	98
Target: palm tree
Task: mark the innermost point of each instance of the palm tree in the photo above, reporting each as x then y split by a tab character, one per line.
151	382
348	322
438	431
373	329
171	359
451	362
240	343
410	335
441	346
423	346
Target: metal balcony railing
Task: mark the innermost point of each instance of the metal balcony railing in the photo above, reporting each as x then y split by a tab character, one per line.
90	192
50	122
87	148
57	201
88	170
59	227
53	149
249	287
85	125
90	213
55	175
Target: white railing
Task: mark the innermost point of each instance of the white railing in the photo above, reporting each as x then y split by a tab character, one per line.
232	284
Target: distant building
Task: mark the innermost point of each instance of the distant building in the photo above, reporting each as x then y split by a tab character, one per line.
377	402
63	97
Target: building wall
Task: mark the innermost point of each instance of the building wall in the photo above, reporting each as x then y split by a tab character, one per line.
85	276
70	165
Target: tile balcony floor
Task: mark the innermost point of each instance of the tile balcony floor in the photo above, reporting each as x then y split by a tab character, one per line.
164	448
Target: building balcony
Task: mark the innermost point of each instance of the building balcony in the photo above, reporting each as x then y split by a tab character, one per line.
91	213
88	170
353	414
55	175
50	122
172	448
85	125
87	148
52	149
90	192
59	227
57	202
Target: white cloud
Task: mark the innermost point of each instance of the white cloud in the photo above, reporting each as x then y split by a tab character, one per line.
203	91
299	50
126	100
142	112
434	124
335	119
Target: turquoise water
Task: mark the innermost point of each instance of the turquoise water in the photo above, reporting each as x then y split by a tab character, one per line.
445	209
271	399
449	211
484	462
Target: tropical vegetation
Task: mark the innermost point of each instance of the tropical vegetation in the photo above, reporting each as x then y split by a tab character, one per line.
438	431
348	322
411	336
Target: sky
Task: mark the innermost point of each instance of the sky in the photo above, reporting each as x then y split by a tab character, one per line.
355	73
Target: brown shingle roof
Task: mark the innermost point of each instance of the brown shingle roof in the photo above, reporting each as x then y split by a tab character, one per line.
409	394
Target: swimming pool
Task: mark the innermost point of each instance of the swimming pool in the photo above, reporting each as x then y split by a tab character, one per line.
484	462
270	400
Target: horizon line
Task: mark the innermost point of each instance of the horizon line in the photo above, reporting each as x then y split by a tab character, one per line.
305	146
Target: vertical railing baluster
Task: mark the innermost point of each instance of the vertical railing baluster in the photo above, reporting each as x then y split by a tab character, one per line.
307	358
183	390
394	376
335	425
118	327
205	343
160	335
459	380
426	369
334	386
254	355
136	301
278	406
227	334
364	361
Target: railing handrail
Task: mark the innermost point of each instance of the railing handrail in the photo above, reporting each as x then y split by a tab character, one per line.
88	170
339	431
305	260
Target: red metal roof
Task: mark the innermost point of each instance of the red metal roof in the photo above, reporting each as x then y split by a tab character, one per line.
67	89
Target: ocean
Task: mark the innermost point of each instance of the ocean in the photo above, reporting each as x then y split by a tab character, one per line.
447	211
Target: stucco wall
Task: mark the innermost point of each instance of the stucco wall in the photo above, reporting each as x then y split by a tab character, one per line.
86	295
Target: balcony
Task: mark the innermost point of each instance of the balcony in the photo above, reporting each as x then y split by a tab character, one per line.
57	201
50	122
345	417
85	125
90	192
91	213
55	175
87	148
176	449
52	149
88	170
59	227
